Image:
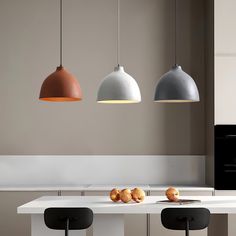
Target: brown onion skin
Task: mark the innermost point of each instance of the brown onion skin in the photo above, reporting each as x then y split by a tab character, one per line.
115	195
125	195
138	195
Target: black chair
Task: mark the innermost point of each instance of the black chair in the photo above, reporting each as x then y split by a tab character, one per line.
68	218
185	218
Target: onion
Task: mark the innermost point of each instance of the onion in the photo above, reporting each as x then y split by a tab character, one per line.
138	195
172	194
125	195
115	195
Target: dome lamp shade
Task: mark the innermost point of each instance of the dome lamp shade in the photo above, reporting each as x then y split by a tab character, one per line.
60	86
176	86
119	87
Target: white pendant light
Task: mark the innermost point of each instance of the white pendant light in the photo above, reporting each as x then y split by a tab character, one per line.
118	87
176	85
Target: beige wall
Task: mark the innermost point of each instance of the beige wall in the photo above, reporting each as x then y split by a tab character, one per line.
29	52
225	61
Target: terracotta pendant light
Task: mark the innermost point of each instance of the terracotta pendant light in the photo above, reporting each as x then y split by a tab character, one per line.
118	87
176	86
60	86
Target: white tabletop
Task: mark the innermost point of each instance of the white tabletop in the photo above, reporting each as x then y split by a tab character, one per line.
103	205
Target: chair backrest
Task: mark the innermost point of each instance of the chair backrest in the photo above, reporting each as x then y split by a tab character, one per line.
176	218
79	218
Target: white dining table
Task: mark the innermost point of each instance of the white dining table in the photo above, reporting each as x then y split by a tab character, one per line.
109	216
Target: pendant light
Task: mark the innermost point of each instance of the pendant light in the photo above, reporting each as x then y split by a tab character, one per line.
118	87
60	86
176	85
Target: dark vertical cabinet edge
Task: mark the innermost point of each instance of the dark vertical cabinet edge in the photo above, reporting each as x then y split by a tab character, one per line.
225	157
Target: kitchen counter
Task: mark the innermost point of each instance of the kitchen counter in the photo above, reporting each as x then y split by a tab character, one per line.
104	187
44	188
181	188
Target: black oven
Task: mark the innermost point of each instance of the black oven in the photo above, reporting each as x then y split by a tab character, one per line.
225	157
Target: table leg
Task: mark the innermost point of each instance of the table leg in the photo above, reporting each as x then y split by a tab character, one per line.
218	225
107	225
38	228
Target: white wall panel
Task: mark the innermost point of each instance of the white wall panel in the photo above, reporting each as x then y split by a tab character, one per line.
225	30
225	90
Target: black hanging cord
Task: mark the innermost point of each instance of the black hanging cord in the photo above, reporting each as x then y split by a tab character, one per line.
61	33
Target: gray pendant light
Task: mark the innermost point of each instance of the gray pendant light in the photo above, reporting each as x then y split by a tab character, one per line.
118	87
176	85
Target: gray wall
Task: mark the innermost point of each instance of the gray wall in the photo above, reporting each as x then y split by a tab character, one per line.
29	52
210	92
